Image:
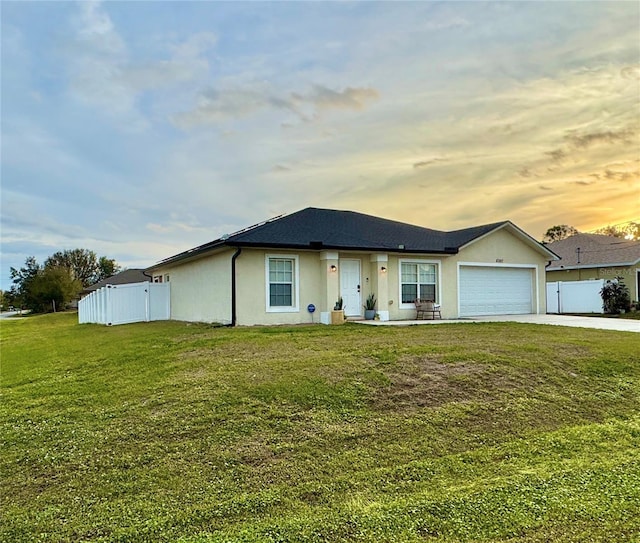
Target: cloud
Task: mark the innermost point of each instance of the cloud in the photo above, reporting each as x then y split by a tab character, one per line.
609	137
446	24
630	72
428	162
195	45
104	73
97	32
172	227
621	175
525	172
350	98
556	155
216	105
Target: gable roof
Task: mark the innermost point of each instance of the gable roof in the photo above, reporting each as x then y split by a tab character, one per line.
595	251
132	275
329	229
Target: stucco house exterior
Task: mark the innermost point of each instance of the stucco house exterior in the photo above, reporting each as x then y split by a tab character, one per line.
272	272
593	256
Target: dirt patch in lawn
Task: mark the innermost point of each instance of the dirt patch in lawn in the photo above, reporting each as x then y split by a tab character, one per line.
420	382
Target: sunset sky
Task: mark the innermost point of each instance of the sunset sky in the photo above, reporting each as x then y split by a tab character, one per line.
140	129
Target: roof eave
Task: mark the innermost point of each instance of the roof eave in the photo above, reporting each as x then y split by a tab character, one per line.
191	254
594	265
330	247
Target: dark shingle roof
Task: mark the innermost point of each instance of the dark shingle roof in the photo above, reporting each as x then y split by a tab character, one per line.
132	275
595	251
328	229
351	230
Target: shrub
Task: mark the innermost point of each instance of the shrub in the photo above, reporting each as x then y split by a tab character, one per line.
615	296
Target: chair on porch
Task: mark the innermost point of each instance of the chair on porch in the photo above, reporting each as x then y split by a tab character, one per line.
427	307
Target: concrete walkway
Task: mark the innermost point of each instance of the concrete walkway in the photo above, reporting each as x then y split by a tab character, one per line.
599	323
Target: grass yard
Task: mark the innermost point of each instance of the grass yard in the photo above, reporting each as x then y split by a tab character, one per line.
186	433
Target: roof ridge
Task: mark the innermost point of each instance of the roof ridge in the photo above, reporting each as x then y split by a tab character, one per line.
480	226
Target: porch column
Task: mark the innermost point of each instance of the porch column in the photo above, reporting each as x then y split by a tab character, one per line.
380	283
330	284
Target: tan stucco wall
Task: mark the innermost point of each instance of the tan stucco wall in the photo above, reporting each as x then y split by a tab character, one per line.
500	245
503	248
627	272
252	288
201	289
395	308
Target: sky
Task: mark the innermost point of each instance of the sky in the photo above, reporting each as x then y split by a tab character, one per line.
141	129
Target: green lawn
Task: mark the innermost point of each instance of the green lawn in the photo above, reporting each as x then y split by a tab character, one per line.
188	433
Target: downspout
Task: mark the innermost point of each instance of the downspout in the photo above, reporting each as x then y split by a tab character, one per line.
233	286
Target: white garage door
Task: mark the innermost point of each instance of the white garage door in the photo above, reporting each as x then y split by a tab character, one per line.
486	290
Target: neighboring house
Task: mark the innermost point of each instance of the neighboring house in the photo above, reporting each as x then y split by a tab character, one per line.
271	272
592	256
133	275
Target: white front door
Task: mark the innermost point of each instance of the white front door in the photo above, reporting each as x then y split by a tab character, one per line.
350	287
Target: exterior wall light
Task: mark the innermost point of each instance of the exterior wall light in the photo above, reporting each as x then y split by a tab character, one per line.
383	270
333	268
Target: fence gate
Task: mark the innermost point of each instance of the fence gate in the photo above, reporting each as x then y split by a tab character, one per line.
123	304
575	296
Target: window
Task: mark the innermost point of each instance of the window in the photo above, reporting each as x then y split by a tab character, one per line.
157	279
418	280
282	283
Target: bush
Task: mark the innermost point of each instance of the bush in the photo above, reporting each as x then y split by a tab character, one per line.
615	296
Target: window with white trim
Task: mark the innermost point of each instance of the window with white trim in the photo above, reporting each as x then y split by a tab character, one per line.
282	282
418	280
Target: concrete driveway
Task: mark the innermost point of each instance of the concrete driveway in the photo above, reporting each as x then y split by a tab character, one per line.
599	323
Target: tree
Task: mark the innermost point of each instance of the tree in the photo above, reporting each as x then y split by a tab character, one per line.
53	289
559	232
84	264
106	268
630	230
61	279
23	279
43	288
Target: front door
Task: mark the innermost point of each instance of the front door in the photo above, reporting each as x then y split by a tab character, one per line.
350	287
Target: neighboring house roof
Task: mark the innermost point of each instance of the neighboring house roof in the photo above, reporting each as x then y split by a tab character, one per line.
132	275
329	229
595	251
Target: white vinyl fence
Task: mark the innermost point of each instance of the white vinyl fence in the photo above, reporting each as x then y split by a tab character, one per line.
122	304
575	296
